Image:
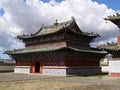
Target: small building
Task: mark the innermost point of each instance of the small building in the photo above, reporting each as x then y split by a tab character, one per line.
58	49
113	48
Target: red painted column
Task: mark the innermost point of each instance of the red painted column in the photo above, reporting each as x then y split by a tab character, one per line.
32	68
119	39
41	67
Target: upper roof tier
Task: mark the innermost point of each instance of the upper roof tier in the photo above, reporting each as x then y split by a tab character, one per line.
56	27
114	19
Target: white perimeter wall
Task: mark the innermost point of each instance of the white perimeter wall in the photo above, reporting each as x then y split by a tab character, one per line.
70	70
105	69
84	71
6	68
114	66
54	72
22	69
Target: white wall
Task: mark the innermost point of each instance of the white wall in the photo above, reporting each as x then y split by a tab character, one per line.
22	69
70	71
6	68
54	72
114	66
105	69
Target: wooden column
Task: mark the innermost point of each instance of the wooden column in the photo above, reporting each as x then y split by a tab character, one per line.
119	39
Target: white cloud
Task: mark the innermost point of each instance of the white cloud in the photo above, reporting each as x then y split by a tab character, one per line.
27	17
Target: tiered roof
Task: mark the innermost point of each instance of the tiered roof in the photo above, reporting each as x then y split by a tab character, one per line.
113	48
57	27
114	19
54	47
110	46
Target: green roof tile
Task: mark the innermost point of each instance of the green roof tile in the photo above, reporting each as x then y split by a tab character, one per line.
53	48
56	27
110	46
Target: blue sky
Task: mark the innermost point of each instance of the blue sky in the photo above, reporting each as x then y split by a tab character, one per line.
1	11
114	4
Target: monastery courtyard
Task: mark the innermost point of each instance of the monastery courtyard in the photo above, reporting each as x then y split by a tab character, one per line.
12	81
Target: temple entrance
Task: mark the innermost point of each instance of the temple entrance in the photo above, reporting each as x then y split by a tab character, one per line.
37	66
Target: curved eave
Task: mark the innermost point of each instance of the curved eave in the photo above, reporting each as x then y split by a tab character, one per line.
112	18
64	30
62	27
111	49
37	49
115	20
58	28
33	36
54	48
31	51
89	51
91	35
114	47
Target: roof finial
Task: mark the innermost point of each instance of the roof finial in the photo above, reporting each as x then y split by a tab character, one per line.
42	25
73	18
56	23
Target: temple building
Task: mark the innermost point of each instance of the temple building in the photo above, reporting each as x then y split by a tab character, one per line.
113	48
58	49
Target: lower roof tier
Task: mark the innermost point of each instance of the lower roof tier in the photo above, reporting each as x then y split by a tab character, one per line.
54	47
110	47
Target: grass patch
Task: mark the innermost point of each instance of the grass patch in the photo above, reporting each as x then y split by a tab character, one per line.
2	88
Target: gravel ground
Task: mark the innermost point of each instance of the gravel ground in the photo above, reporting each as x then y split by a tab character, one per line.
12	81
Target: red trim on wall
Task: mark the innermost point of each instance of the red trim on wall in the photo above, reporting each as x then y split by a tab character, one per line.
78	43
45	44
114	74
60	42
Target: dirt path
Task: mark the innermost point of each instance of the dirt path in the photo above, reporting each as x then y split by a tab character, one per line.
12	81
